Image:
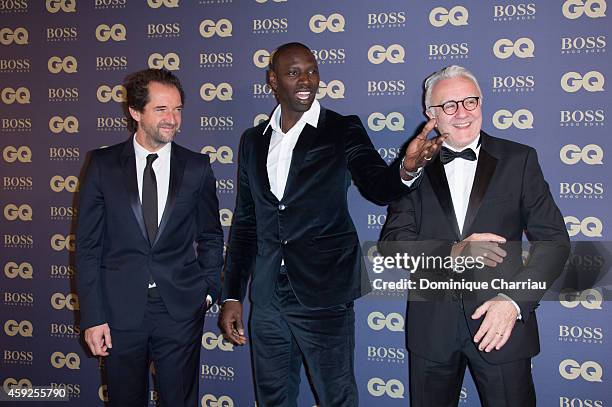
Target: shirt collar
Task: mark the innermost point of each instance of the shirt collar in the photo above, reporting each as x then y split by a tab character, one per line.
142	153
311	116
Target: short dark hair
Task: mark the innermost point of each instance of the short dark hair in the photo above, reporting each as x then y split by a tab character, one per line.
137	90
285	47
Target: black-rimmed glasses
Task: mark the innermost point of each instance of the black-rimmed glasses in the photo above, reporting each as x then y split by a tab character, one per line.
470	103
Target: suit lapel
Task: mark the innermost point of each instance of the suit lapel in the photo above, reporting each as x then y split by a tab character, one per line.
128	166
177	169
484	172
261	159
439	184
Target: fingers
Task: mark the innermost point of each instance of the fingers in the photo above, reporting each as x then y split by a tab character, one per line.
497	326
486	237
107	336
480	311
429	126
231	325
95	339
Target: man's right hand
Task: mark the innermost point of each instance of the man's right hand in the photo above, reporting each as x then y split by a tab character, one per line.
484	245
230	322
98	339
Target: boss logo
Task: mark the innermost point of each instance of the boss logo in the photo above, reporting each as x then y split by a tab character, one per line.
72	389
389	154
393	121
386	88
329	56
208	400
168	30
14	65
225	216
589	44
270	25
333	89
170	61
218	59
262	91
592	81
115	32
211	341
62	271
112	4
519	83
60	242
111	123
261	58
15	356
260	118
62	33
217	372
22	212
511	12
208	123
22	270
376	221
105	94
565	401
11	154
521	48
63	94
222	154
20	95
163	3
62	212
457	16
69	360
334	23
17	183
573	9
589	226
18	36
112	63
393	388
23	328
13	6
18	241
451	51
590	298
21	124
585	334
67	64
18	299
69	124
60	301
581	190
380	353
221	28
389	19
12	383
64	153
55	6
577	118
571	370
521	119
393	321
222	91
225	186
394	54
591	154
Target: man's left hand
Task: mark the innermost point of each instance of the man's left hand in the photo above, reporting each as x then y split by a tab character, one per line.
497	325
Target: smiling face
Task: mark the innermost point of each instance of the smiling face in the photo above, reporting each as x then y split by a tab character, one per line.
463	126
295	81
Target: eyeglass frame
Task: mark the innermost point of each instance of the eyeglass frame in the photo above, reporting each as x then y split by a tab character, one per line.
456	102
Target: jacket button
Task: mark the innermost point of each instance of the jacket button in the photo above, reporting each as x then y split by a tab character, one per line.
281	207
284	242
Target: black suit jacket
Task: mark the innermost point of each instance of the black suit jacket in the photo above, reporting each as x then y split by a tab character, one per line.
114	257
310	228
509	196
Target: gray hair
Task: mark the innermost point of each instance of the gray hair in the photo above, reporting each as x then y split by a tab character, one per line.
449	72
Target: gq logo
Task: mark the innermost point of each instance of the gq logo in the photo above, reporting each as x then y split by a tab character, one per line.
393	388
334	89
590	154
59	183
521	119
261	58
394	54
21	212
20	95
226	216
211	341
521	48
116	32
260	118
70	360
69	125
590	371
223	92
170	61
67	6
67	64
589	298
105	93
394	121
11	383
60	301
14	328
18	36
592	81
165	3
23	270
574	9
589	226
208	400
439	16
210	28
23	154
222	154
334	23
393	322
59	242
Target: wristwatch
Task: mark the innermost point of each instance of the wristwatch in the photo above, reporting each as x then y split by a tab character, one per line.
411	174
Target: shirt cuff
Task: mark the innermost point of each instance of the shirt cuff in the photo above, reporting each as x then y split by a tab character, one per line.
230	299
419	171
518	309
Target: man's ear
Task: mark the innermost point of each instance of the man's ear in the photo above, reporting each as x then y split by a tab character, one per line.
428	112
134	113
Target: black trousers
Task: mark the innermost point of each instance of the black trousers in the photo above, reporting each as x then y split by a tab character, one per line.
438	384
173	346
284	332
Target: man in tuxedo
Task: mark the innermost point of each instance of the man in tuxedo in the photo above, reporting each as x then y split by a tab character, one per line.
476	199
149	249
293	236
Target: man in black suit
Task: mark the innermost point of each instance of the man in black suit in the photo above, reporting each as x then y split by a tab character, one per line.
476	199
142	286
293	236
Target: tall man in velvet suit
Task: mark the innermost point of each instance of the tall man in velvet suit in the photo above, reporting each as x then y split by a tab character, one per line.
476	198
293	236
143	288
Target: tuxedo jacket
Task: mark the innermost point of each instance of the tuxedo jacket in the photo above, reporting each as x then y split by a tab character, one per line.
310	227
509	197
113	255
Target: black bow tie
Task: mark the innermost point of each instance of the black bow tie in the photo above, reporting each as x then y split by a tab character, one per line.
447	155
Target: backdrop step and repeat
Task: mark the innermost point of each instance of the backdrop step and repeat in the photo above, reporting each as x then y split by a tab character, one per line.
542	67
